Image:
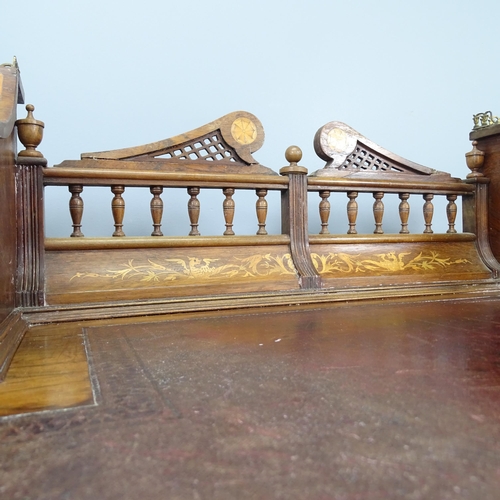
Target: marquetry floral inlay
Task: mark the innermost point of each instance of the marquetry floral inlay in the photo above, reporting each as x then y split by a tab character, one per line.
387	262
193	267
243	130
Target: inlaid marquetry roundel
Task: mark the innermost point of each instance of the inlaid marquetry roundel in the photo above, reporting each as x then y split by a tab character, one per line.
243	130
340	142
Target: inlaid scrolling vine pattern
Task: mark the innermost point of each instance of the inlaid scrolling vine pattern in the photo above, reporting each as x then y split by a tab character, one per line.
387	262
258	266
202	268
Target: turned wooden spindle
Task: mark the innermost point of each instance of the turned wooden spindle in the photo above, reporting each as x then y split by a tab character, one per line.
156	209
194	210
352	212
404	212
378	212
261	208
451	212
324	211
228	207
76	209
428	212
118	209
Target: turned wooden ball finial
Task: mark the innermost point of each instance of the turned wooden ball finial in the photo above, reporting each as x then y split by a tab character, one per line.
30	133
475	160
293	154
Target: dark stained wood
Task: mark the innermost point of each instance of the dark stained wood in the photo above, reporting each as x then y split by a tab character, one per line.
76	206
156	209
352	212
295	221
404	212
428	212
451	212
399	400
139	273
144	168
228	207
12	331
348	154
479	206
30	279
378	212
194	210
324	211
347	264
224	146
488	142
118	277
10	95
118	209
261	209
12	326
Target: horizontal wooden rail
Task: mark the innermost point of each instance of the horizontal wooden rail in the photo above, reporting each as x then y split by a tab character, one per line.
357	239
389	186
130	178
57	244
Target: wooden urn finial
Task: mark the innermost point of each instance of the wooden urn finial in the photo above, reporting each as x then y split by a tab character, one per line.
475	160
30	133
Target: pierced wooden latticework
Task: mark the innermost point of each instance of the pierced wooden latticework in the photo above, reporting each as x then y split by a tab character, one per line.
211	147
366	159
225	144
349	153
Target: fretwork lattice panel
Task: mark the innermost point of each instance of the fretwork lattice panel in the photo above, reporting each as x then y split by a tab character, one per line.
365	159
210	148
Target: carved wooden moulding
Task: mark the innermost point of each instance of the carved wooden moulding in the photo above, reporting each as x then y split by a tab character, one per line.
349	154
222	146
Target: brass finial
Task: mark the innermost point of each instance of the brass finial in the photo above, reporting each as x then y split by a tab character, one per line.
485	119
30	133
475	160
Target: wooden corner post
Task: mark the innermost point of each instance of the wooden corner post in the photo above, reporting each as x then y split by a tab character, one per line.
30	281
479	211
294	219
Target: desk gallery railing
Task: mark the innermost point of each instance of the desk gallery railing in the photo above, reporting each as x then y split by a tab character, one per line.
218	157
80	277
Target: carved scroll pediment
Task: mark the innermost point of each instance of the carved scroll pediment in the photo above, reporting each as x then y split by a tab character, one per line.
348	153
224	145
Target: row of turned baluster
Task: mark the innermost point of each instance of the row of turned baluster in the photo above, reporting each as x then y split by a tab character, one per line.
118	211
378	212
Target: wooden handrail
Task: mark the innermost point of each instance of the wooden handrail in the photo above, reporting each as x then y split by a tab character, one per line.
162	242
137	178
387	186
